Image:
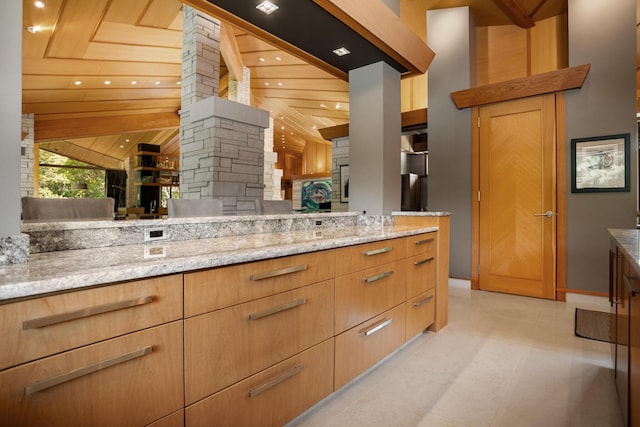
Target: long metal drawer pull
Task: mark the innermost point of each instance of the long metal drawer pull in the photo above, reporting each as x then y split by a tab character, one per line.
85	312
253	392
424	261
383	324
278	309
378	276
40	385
379	251
276	273
422	242
633	283
419	303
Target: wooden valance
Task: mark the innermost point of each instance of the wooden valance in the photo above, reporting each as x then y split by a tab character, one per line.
553	81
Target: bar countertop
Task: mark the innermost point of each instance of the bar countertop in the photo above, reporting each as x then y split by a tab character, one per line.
629	241
59	271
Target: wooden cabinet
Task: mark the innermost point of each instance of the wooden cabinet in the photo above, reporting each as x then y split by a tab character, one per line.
365	294
273	396
222	287
244	339
36	328
624	294
421	282
253	334
371	315
256	343
361	347
101	357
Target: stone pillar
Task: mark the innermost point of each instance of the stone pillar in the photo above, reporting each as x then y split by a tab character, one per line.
27	158
374	137
221	141
240	90
200	79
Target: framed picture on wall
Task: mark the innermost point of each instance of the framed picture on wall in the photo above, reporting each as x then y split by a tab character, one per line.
600	164
344	183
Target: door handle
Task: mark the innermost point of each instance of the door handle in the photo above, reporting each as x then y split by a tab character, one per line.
548	214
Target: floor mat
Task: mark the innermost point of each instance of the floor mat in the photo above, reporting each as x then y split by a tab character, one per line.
593	324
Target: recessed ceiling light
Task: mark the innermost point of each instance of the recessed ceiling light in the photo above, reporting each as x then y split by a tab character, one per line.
267	7
279	83
77	83
323	106
341	51
178	82
122	146
266	83
261	59
33	29
134	82
107	82
126	140
282	127
278	58
337	105
157	83
39	4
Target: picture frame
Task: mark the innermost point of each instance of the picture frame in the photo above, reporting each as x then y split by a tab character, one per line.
600	164
344	183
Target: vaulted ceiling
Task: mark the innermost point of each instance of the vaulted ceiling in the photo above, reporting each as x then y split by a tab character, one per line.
102	76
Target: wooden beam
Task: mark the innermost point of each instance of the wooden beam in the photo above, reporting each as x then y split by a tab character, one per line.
51	130
515	12
231	52
339	131
218	12
553	81
412	118
374	21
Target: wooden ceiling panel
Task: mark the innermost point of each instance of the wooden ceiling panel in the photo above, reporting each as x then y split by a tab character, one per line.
75	28
160	13
107	52
305	71
113	32
97	108
125	11
301	84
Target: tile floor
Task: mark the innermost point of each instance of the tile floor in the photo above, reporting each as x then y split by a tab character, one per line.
502	361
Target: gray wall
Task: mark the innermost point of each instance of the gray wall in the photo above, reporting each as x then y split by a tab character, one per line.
601	33
451	34
10	115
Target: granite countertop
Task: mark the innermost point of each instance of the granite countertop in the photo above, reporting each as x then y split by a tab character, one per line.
629	241
73	269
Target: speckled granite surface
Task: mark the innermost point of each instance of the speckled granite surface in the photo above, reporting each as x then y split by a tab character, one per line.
73	269
629	241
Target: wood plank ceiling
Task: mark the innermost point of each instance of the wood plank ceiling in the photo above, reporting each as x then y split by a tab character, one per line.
102	76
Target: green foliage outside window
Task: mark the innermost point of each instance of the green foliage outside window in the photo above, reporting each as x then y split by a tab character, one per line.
63	180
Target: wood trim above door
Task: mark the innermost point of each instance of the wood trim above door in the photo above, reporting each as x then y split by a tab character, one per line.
539	84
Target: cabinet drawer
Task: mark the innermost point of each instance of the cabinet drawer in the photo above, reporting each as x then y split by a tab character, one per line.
227	345
361	347
131	380
37	328
422	244
362	295
221	287
367	255
421	274
420	313
272	397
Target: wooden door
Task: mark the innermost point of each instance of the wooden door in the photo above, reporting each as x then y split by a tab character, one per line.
518	197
